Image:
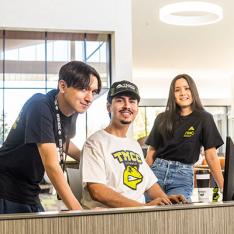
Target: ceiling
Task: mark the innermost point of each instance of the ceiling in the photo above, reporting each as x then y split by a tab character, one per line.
159	47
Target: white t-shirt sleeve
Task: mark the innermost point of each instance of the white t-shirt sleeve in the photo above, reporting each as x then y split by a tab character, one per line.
93	165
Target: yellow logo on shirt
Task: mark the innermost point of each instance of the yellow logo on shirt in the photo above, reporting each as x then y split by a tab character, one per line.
131	160
132	177
127	156
190	132
14	126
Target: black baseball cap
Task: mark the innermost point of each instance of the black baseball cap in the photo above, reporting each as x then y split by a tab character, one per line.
123	87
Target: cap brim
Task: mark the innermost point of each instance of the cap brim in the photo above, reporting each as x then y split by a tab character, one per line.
128	93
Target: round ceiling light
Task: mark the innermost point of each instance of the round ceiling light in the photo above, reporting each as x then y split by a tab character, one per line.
191	13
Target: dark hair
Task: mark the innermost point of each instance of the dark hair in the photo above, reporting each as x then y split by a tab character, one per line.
167	119
76	74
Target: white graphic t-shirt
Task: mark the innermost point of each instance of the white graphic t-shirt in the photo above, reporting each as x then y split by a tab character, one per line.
116	162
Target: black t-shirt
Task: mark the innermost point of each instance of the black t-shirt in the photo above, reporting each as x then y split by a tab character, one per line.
21	168
191	132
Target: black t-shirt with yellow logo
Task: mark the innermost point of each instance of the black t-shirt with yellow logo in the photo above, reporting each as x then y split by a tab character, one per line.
191	132
21	168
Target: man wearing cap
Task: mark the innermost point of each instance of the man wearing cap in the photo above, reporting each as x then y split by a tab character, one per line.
114	172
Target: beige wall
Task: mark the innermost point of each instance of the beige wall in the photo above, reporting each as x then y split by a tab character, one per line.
76	15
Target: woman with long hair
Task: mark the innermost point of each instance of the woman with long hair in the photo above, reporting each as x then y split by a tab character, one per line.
177	136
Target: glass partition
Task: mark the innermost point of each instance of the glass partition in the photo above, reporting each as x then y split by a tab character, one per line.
97	54
1	59
24	60
61	48
30	62
2	124
230	118
220	117
3	127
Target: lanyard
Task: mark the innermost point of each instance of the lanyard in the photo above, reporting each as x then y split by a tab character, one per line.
60	140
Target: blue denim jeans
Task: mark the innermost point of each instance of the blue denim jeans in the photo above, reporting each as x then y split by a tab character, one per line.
174	177
9	207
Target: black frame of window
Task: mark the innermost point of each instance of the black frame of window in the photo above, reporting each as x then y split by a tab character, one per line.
85	37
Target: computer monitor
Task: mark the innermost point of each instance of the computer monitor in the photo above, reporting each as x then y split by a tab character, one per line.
228	190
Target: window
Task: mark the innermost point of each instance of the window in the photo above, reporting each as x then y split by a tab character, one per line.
30	62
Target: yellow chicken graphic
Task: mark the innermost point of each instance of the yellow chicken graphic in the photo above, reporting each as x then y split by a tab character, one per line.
132	177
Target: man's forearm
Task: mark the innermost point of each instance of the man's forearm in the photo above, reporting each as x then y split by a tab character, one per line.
109	197
57	178
48	155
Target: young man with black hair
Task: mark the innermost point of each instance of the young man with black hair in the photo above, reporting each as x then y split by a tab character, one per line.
46	123
114	172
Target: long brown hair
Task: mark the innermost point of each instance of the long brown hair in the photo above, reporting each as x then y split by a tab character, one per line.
167	119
